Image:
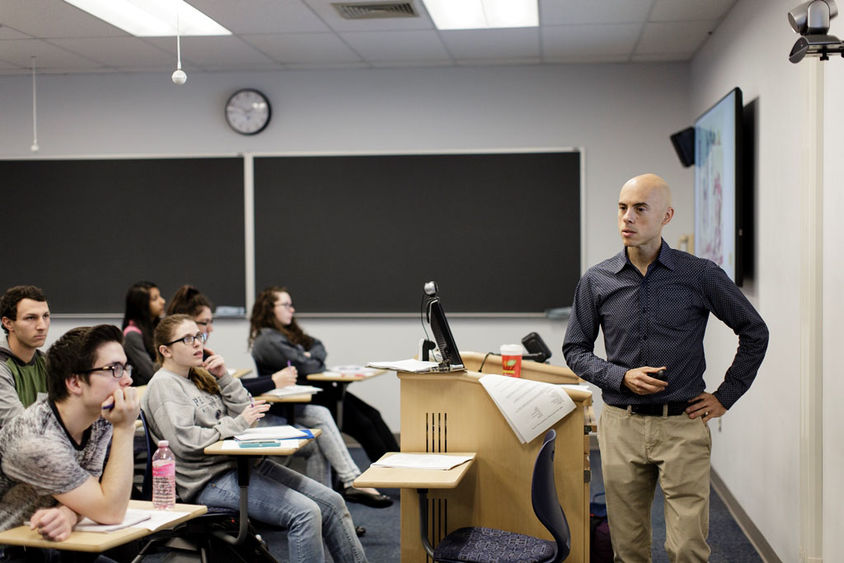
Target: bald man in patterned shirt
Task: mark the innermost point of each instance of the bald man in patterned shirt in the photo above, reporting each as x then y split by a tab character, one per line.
653	303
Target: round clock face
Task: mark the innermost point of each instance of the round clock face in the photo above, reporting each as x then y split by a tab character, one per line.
248	111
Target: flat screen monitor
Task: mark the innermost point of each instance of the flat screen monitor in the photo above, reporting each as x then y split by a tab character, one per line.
449	353
718	185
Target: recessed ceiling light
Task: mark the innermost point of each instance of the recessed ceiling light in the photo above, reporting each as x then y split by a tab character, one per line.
152	18
483	14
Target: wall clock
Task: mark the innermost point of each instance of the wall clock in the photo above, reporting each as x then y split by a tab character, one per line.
248	111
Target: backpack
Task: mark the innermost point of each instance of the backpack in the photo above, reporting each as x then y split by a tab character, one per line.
600	547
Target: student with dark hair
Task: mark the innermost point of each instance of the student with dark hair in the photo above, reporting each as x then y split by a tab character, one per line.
23	374
189	301
194	402
52	454
277	340
144	307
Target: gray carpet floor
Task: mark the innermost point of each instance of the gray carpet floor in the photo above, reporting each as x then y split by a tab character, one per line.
381	541
728	542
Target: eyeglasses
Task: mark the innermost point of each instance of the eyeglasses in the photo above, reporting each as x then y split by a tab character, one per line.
285	305
200	337
117	370
204	323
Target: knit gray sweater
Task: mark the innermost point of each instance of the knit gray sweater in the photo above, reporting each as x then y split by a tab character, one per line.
191	420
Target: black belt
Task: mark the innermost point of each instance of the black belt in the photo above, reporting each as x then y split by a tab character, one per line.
656	409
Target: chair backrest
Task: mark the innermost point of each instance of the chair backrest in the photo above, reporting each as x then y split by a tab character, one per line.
146	484
546	505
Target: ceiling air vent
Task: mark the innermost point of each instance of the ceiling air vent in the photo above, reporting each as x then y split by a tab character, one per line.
375	10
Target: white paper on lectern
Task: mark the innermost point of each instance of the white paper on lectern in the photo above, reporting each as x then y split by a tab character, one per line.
414	366
530	407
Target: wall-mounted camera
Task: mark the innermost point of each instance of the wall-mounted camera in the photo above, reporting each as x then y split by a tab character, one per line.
811	21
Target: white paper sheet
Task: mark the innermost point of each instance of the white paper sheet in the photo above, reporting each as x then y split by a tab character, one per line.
135	518
291	390
423	461
530	407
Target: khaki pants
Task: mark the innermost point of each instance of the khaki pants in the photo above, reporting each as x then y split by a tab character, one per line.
636	450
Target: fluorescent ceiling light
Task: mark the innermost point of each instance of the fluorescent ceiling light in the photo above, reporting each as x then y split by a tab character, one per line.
483	14
152	18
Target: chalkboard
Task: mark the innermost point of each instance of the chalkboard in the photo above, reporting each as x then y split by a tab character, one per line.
85	230
500	233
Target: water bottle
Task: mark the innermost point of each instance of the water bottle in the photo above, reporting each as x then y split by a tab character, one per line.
163	477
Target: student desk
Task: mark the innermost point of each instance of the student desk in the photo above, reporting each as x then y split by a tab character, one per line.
452	412
343	380
287	447
419	479
97	541
290	403
409	478
238	373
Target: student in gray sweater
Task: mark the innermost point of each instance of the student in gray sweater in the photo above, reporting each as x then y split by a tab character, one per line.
329	446
193	403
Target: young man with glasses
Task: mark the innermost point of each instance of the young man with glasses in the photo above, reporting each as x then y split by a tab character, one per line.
52	454
23	376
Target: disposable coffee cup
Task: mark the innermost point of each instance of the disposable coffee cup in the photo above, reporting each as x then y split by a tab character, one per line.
511	359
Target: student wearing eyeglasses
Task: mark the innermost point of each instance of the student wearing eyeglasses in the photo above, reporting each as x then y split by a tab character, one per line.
52	454
189	301
277	340
144	307
194	402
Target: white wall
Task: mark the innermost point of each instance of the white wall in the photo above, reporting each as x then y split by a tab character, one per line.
621	115
833	281
757	444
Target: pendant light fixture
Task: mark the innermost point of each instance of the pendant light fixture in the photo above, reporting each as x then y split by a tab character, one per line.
34	147
178	77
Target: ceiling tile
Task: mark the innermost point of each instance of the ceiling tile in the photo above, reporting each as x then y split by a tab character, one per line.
660	58
54	18
288	34
262	16
468	61
492	43
327	66
329	15
9	33
410	64
562	12
569	42
674	37
303	48
218	51
117	51
21	51
685	10
398	46
7	66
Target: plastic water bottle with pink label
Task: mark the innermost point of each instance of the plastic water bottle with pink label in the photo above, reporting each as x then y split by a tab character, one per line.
163	477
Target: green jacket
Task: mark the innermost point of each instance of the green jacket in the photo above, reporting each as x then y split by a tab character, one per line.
21	383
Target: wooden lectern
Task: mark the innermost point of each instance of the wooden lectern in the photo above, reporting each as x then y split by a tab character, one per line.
452	412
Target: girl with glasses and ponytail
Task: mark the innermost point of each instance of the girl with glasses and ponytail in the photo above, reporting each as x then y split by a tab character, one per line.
194	402
188	300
